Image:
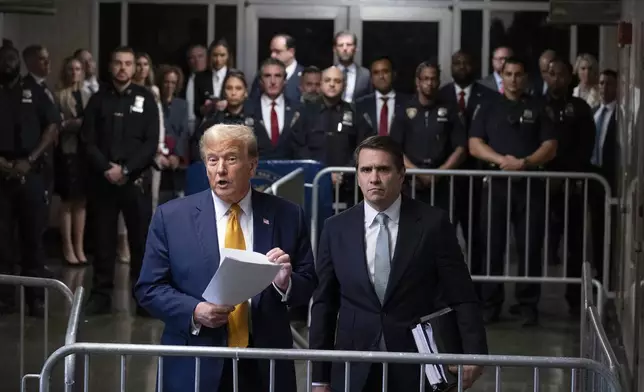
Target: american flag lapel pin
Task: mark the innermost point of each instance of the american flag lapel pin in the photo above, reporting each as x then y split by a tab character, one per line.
266	221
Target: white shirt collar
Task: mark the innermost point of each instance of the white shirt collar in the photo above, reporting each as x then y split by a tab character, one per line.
609	106
390	95
279	101
290	70
393	212
38	79
467	89
351	68
221	73
222	207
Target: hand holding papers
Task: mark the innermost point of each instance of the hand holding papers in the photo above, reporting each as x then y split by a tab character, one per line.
241	275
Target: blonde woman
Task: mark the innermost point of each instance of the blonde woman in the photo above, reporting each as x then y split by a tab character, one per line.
587	70
71	179
144	76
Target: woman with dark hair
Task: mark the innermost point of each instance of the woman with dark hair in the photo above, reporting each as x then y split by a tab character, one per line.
209	84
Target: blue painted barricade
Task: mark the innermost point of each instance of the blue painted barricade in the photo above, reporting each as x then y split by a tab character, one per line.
267	173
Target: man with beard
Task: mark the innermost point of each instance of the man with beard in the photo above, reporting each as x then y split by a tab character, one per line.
513	133
28	127
120	133
310	84
432	137
576	135
356	78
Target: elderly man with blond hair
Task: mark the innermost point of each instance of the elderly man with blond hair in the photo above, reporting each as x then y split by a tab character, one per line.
183	253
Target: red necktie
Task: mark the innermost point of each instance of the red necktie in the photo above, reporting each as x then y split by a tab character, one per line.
461	101
275	127
383	126
501	90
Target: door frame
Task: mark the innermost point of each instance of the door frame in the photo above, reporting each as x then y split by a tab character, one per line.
254	12
441	15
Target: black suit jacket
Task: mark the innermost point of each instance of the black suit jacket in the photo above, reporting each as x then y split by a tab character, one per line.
367	109
203	90
479	94
427	271
610	152
266	148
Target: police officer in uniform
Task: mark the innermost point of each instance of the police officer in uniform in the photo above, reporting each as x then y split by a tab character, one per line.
575	127
431	135
330	131
120	132
513	133
28	127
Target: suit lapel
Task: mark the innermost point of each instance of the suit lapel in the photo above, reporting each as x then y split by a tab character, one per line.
358	251
409	232
373	112
260	128
263	224
205	221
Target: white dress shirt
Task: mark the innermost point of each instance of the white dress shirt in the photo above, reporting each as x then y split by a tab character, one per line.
91	85
499	81
218	81
222	213
267	105
290	69
610	110
467	90
350	87
371	232
391	105
190	98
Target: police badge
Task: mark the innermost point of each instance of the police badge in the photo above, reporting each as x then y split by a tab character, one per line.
442	112
347	118
570	110
26	96
138	104
411	113
249	122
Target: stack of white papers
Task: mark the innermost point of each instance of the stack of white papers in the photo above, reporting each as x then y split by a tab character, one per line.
423	334
241	275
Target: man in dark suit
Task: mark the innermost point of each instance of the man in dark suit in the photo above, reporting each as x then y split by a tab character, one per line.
604	160
381	107
182	255
381	267
283	49
273	112
357	78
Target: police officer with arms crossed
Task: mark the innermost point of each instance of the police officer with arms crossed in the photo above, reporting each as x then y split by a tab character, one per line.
513	133
120	132
575	127
431	135
28	127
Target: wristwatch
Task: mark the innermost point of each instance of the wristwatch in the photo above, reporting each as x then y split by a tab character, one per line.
125	171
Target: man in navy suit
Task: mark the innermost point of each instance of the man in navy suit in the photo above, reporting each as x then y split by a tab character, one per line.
283	49
381	266
182	255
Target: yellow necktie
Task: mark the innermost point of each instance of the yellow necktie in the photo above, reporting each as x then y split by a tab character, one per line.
238	319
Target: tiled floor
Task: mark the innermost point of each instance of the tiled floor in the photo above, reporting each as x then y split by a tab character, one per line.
557	336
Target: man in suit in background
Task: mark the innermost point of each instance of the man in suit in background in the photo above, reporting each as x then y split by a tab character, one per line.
379	108
283	49
357	78
197	63
494	81
539	86
382	265
183	253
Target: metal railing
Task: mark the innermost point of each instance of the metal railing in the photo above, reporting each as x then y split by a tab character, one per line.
468	232
74	300
608	380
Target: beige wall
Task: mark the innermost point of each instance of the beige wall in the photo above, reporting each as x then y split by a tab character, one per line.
62	33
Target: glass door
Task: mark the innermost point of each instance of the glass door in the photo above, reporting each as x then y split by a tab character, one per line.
408	35
312	27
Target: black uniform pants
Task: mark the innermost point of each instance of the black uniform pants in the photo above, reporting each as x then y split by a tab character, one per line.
533	225
574	234
22	205
107	201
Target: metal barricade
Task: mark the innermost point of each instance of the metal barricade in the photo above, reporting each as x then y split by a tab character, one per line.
289	187
73	300
549	177
575	366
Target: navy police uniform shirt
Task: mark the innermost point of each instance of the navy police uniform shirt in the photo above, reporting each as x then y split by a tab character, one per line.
25	113
575	128
428	135
327	134
516	128
121	127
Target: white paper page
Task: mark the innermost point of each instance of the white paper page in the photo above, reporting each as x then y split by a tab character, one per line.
431	372
241	275
429	331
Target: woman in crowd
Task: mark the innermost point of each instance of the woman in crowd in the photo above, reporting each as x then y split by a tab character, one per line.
587	70
70	182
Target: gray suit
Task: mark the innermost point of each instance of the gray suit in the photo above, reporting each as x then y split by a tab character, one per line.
363	83
490	82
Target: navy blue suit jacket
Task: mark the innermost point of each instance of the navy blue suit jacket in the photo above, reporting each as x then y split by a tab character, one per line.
366	108
182	255
291	89
427	271
283	148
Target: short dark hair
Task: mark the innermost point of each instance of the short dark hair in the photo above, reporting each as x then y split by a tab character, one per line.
7	46
382	143
79	51
31	51
383	58
234	73
513	60
428	64
344	33
272	61
311	69
290	41
609	72
122	49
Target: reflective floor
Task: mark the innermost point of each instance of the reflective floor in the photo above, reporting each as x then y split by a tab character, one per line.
558	335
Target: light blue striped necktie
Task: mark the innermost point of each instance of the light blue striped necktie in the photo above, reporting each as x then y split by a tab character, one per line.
599	125
382	259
